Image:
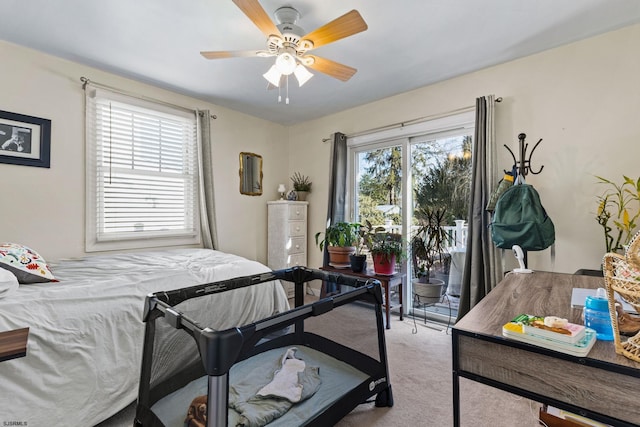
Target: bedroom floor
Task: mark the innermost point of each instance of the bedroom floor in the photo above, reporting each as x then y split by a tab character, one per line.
441	314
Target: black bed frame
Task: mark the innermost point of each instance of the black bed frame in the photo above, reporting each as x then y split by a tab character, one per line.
219	350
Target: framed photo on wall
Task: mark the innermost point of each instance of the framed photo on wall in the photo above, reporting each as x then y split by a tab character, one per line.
24	140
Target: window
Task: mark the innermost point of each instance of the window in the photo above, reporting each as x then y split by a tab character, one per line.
142	173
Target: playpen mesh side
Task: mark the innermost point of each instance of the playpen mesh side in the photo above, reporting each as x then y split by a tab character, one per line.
352	325
175	359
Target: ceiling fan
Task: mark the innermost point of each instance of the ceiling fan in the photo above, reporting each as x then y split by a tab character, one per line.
290	45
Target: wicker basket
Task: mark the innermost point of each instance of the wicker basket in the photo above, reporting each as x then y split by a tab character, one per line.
622	275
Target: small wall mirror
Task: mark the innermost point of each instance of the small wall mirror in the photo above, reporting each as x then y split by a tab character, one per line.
250	174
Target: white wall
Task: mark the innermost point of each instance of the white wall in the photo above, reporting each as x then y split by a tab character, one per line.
44	208
583	99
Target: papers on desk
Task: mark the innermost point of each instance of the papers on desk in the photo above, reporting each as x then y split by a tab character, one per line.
579	296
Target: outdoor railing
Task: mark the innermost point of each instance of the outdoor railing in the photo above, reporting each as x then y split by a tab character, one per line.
456	234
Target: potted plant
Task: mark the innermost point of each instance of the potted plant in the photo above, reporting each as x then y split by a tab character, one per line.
620	203
365	239
428	251
301	185
340	240
386	251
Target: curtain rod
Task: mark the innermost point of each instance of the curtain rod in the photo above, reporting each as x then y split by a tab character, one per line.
410	122
85	81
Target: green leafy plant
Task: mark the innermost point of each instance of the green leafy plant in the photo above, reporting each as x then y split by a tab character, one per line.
301	182
428	242
339	234
366	234
620	205
387	245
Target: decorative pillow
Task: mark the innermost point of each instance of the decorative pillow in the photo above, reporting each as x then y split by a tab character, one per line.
26	264
8	282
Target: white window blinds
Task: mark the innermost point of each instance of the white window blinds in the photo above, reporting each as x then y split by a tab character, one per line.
142	173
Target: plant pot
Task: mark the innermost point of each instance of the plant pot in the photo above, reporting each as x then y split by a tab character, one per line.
358	263
302	195
427	292
384	264
339	256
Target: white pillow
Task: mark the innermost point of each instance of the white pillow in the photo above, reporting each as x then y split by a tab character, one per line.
25	263
8	282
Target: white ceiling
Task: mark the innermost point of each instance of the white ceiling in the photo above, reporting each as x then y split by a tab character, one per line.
409	43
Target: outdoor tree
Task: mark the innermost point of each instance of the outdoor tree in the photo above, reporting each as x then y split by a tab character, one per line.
447	184
385	167
438	179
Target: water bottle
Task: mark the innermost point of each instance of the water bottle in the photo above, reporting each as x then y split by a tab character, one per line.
596	315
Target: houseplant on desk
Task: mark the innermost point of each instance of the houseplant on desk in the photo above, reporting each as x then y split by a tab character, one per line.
619	204
428	252
340	240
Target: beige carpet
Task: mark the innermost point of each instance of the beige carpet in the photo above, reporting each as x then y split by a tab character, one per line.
420	375
421	379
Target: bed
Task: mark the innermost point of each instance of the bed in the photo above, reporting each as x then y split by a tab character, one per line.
86	330
309	366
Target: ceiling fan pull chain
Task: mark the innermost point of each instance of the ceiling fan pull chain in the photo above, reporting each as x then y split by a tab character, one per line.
287	99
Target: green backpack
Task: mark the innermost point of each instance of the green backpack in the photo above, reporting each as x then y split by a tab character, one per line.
519	219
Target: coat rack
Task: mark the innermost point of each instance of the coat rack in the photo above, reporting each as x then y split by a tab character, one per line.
523	165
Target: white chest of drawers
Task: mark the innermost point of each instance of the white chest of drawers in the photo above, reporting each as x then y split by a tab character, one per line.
287	236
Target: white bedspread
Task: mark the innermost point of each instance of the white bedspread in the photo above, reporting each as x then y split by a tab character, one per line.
86	332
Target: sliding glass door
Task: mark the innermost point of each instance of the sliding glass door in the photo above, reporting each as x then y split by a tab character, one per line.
441	167
395	180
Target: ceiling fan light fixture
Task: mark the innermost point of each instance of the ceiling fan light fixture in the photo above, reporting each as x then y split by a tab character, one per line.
273	76
302	74
286	63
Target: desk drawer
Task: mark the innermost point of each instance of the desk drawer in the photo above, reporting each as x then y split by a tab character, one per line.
567	381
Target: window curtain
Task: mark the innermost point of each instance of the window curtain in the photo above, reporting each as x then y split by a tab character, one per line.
205	169
483	269
337	184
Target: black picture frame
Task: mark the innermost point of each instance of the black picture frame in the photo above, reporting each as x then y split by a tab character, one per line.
25	140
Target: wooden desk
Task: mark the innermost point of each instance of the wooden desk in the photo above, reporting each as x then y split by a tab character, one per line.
13	344
602	386
387	282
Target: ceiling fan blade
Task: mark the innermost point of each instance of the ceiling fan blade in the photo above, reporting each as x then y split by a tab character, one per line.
257	14
221	54
347	25
331	68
